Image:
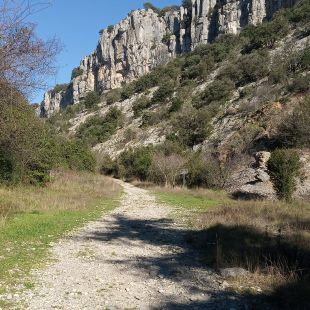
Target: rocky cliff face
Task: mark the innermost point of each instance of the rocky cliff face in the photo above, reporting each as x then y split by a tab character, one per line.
146	39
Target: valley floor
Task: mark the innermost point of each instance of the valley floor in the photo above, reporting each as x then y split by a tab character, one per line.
136	257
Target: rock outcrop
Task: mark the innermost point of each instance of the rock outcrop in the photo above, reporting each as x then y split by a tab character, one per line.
253	182
145	39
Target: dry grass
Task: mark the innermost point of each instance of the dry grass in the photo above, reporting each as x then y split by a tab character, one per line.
270	239
69	191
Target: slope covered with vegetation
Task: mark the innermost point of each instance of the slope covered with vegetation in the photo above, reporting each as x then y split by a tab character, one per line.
225	100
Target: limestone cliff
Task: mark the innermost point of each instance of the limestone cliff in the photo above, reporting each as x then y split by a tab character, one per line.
145	39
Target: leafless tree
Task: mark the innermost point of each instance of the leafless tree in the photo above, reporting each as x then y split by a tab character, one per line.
167	167
25	59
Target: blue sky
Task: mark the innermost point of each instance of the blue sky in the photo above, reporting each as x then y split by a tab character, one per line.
77	23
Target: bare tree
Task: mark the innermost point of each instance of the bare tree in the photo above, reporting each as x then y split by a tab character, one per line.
168	167
25	59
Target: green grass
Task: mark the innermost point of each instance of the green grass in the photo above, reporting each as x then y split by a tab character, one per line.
186	199
44	216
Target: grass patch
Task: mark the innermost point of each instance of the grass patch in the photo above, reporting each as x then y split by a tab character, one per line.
33	217
195	200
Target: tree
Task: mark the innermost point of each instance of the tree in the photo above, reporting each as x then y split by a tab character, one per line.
25	59
168	167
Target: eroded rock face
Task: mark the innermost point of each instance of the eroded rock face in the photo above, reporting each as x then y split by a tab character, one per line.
135	45
253	182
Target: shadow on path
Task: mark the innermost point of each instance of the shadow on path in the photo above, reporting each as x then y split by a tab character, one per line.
183	264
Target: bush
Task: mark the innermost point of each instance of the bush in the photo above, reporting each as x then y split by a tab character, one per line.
300	84
163	92
192	126
294	131
284	167
135	163
176	105
205	170
76	72
92	99
166	38
150	118
218	91
141	104
59	88
265	34
98	129
108	166
113	96
75	156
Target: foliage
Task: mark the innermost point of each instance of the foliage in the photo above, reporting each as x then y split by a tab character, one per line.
191	126
163	92
92	99
150	6
300	13
110	28
247	69
28	150
59	88
134	163
98	129
218	91
141	104
176	105
76	72
265	34
166	38
294	131
284	167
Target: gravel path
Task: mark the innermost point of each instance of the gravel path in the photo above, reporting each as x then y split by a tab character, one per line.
136	257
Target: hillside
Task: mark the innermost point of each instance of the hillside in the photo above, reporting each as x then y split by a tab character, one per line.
226	101
150	37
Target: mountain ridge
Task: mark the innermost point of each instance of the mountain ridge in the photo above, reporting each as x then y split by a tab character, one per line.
146	39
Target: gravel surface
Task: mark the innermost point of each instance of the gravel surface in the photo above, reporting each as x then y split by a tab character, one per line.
135	257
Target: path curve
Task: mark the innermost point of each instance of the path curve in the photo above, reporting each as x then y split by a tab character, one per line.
135	257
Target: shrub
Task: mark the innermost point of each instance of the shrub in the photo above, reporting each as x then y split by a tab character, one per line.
59	88
98	129
150	118
218	91
134	163
75	156
300	84
300	13
166	38
113	96
110	28
141	104
166	168
265	34
92	99
294	131
76	72
176	105
284	167
192	126
205	170
108	166
163	92
150	6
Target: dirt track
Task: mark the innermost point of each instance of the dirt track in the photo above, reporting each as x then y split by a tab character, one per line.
136	257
